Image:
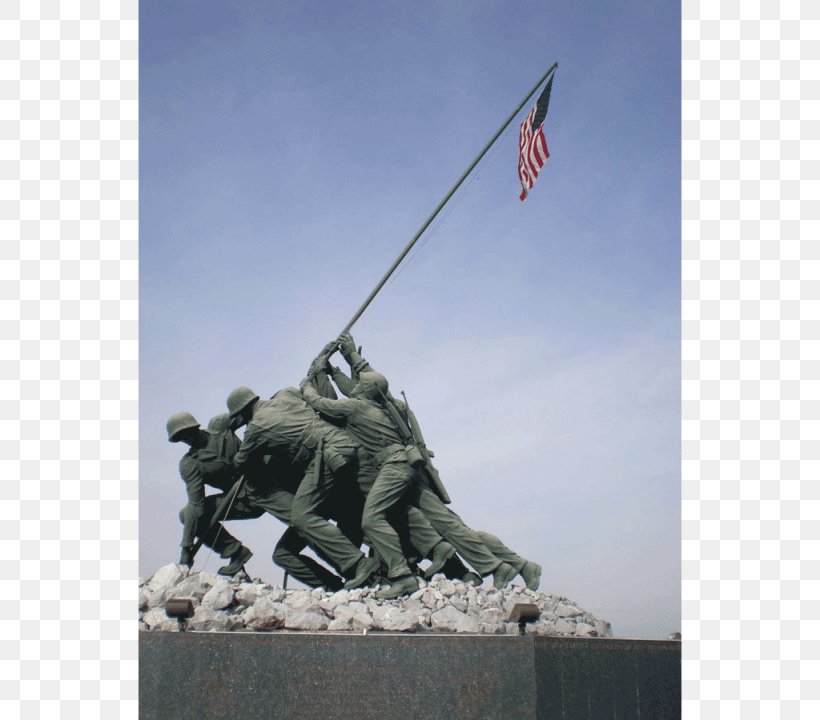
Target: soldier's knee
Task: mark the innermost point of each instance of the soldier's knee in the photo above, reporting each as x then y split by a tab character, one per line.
370	521
182	515
299	517
280	554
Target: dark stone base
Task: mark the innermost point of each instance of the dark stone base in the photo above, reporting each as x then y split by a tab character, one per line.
301	676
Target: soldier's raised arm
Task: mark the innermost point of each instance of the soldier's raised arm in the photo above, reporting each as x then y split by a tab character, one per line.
343	382
347	346
338	409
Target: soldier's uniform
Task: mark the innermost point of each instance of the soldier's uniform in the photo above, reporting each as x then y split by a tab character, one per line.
467	542
391	474
212	465
286	428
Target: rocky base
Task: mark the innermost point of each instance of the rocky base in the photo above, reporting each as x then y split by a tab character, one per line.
438	606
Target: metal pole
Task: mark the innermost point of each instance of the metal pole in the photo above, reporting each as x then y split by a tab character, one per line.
435	212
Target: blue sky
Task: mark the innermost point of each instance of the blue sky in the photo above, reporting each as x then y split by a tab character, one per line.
287	154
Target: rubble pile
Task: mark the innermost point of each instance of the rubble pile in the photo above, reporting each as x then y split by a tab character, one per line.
438	606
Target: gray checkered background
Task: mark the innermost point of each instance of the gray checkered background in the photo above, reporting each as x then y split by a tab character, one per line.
751	359
68	298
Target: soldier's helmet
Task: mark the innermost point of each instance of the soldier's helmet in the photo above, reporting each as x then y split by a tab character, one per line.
377	379
219	423
239	399
177	423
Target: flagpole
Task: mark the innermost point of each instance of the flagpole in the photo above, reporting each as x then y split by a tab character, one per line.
435	212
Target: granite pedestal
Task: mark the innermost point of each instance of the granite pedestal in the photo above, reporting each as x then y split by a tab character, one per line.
305	676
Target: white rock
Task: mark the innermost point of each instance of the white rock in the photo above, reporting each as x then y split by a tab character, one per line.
265	614
154	616
491	615
156	598
451	619
166	576
564	626
167	625
511	629
143	602
219	596
585	630
235	622
301	620
566	611
247	594
207	619
459	603
362	620
338	598
491	628
194	586
413	605
545	628
298	599
340	625
446	588
392	618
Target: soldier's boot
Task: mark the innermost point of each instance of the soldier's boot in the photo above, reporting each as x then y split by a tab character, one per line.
441	556
502	575
454	569
472	578
238	560
531	573
400	586
366	568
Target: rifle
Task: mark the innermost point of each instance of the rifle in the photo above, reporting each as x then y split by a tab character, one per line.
222	509
410	433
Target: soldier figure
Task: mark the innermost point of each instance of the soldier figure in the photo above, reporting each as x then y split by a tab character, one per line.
208	462
288	430
427	496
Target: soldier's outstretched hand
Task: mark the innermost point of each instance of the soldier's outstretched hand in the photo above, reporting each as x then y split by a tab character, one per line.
320	362
329	348
346	343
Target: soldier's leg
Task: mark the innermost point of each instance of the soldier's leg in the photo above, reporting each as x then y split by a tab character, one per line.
345	506
218	538
429	544
308	518
529	571
275	501
464	539
278	501
501	551
288	555
388	490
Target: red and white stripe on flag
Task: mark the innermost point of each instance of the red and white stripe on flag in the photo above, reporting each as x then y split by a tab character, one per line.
532	153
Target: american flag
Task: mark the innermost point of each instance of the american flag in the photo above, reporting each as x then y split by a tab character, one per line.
532	145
